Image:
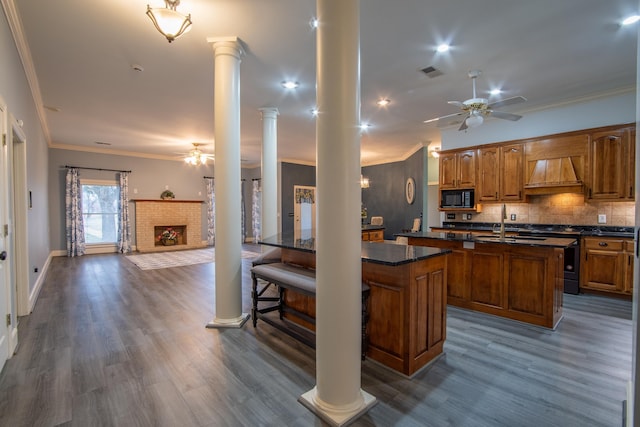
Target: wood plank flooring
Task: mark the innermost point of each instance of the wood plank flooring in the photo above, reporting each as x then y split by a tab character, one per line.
111	345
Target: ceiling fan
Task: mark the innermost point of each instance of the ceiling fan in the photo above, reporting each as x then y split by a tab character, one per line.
475	109
196	156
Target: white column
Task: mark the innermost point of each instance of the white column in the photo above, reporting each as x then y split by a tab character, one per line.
337	396
228	53
269	172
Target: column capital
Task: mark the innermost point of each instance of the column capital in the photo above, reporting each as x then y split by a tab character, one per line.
233	44
269	112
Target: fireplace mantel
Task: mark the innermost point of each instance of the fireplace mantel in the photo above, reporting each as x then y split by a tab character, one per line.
152	213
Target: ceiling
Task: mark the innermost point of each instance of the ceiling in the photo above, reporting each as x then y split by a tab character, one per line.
549	51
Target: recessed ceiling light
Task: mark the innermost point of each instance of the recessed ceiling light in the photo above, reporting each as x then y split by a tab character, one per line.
314	112
443	48
495	92
384	102
631	20
313	23
289	84
365	126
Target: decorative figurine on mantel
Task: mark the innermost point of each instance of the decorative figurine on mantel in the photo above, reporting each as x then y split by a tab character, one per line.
167	195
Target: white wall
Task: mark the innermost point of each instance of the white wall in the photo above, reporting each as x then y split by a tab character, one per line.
611	110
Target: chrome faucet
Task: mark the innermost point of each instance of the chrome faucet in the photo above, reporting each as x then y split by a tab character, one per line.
503	216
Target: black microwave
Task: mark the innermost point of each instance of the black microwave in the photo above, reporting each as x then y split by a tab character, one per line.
457	199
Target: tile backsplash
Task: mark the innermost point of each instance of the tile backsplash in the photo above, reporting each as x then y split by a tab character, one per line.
569	209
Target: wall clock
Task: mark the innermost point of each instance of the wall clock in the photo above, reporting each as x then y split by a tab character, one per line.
410	190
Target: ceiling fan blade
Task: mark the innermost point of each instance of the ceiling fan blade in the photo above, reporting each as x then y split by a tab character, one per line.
456	103
463	126
442	121
506	116
508	101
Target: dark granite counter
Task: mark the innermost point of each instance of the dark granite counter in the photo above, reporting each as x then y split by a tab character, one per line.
369	227
372	252
533	229
557	242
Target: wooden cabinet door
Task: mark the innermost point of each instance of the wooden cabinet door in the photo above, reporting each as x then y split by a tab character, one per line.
448	170
609	165
511	172
488	174
628	267
487	287
603	264
467	169
457	280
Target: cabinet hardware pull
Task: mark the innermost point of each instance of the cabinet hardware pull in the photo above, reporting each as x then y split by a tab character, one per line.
603	244
496	195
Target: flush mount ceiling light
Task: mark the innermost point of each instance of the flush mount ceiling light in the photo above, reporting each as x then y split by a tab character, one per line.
171	23
196	157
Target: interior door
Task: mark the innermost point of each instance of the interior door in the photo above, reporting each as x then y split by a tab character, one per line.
5	261
304	212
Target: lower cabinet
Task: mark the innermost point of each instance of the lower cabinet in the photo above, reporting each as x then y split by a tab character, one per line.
372	235
607	264
519	282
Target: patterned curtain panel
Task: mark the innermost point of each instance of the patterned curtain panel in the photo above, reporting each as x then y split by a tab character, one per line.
256	211
243	228
124	222
211	212
73	206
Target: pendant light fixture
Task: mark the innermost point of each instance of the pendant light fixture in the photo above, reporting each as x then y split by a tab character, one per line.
171	23
196	157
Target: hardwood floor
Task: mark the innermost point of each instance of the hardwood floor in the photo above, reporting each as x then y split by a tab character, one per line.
111	345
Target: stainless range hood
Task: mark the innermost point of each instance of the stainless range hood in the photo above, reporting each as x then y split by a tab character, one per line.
554	176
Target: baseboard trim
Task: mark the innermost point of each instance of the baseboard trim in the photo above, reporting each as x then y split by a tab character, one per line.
33	295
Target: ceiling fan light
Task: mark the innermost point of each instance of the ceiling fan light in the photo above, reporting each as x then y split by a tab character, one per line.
474	120
169	22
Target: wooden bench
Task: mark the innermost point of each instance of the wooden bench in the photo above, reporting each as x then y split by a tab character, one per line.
297	279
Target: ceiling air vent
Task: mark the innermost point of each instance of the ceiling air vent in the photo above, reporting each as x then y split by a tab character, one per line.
431	71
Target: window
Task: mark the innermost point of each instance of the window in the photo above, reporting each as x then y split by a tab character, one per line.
100	201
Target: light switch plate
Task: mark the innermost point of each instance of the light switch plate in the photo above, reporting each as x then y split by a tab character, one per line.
602	219
513	217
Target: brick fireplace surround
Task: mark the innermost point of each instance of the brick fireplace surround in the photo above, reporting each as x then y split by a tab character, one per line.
168	213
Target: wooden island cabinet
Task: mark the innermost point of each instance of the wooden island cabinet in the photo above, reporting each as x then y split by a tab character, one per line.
407	301
514	279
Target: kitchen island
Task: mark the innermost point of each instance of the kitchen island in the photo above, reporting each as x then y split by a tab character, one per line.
406	328
516	277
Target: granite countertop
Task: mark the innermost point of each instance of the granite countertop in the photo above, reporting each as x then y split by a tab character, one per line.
556	242
533	229
369	227
373	252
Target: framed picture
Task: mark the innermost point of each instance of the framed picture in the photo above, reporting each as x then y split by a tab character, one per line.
410	190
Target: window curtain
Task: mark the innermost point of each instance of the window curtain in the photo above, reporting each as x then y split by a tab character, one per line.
256	210
243	227
124	222
74	229
211	212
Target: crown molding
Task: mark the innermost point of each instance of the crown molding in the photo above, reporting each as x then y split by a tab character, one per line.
15	24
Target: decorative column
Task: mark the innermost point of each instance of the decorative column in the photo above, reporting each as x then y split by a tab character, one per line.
228	53
269	172
337	396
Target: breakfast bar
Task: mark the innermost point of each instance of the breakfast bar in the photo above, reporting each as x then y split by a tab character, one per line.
406	287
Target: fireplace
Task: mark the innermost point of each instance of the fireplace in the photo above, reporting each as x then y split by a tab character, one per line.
155	216
180	234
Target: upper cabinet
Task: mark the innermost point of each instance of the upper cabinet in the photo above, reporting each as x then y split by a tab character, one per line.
612	165
500	173
458	169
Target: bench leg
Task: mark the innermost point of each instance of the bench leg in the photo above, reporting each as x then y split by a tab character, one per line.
254	300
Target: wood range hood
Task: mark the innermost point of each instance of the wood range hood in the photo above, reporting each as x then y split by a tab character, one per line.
556	165
554	176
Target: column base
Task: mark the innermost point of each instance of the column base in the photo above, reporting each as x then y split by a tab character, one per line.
336	417
236	323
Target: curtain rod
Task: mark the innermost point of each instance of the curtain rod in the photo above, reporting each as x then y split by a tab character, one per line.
256	179
95	169
207	177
